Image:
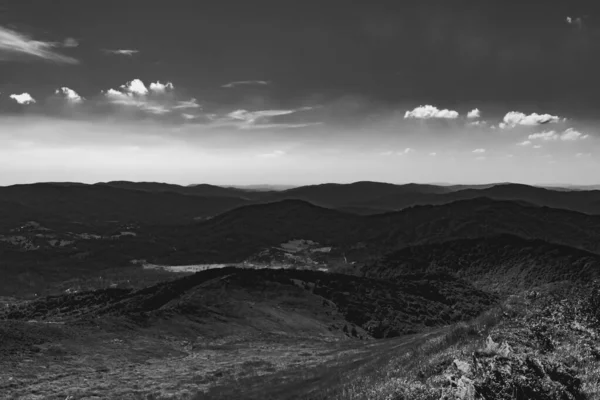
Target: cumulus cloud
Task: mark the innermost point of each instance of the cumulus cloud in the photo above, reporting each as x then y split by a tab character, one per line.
428	112
571	134
16	46
157	100
158	87
69	94
23	98
242	83
524	143
135	86
475	113
479	151
515	118
121	52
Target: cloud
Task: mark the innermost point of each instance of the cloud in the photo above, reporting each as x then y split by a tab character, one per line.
433	154
241	83
273	154
157	100
70	42
475	113
545	136
428	112
407	150
537	146
135	86
23	98
583	155
568	135
244	119
15	46
571	134
578	22
477	123
524	143
515	118
479	151
158	87
191	103
121	52
69	94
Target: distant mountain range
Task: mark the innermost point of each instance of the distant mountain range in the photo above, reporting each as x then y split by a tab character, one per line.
83	229
162	203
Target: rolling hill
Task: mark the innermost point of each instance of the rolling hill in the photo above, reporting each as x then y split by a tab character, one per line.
234	236
503	263
100	204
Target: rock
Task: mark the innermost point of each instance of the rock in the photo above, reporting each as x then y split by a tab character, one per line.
505	349
463	366
460	389
490	345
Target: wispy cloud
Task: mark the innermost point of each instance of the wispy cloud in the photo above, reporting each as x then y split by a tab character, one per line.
524	143
433	154
191	103
545	136
70	42
23	98
244	83
273	154
583	155
515	118
15	46
577	22
477	123
568	135
429	112
262	119
479	151
407	150
121	52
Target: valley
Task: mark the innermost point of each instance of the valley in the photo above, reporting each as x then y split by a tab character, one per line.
288	298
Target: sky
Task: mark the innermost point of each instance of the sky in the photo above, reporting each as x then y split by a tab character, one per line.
265	92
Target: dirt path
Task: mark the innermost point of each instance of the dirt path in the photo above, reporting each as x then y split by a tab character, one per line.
139	368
